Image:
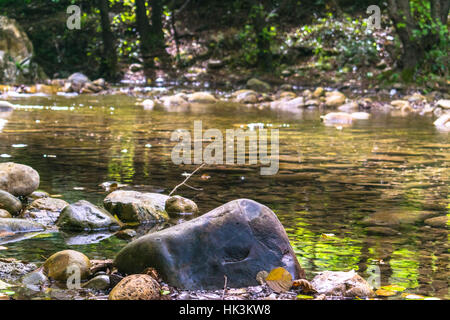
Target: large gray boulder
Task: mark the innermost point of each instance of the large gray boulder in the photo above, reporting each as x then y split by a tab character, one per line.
237	240
133	206
83	215
9	203
18	179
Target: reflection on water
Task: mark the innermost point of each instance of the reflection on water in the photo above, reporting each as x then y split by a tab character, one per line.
388	169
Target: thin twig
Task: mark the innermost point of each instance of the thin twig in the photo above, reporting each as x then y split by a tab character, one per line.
187	178
193	188
224	287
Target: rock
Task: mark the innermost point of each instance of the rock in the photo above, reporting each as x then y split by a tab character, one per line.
288	105
74	238
136	287
35	280
202	97
334	99
16	55
5	106
174	101
126	234
443	122
246	96
444	104
437	222
44	210
342	118
78	78
342	284
400	104
135	67
438	112
318	92
258	85
83	215
312	103
148	104
384	231
349	107
4	214
396	218
237	240
38	194
287	95
100	282
133	206
19	225
62	265
215	64
100	83
360	115
10	203
177	205
18	179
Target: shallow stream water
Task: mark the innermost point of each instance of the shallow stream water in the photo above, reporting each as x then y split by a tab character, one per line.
329	180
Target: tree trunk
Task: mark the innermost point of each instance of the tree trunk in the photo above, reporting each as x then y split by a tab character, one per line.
264	55
109	58
143	28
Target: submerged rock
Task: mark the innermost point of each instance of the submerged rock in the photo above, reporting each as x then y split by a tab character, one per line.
288	105
133	206
44	210
62	265
437	222
85	216
126	234
18	179
443	122
100	282
177	205
136	287
10	203
19	225
175	101
237	240
34	280
341	284
396	218
337	118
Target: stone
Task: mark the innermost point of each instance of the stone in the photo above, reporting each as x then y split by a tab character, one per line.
15	225
396	218
400	104
62	264
237	240
78	78
39	194
202	97
10	203
174	101
12	269
100	282
44	210
126	234
444	104
4	214
287	95
258	85
133	206
83	215
349	107
215	64
342	284
437	222
318	92
148	104
334	99
5	106
34	280
100	83
341	118
288	105
136	287
177	205
443	122
384	231
246	96
18	179
360	115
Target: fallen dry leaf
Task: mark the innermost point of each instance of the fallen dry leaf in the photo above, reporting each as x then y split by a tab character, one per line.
279	280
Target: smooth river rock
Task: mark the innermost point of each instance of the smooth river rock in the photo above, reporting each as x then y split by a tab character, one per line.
10	203
176	206
62	265
44	210
133	206
18	179
136	287
83	215
19	225
237	240
341	284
